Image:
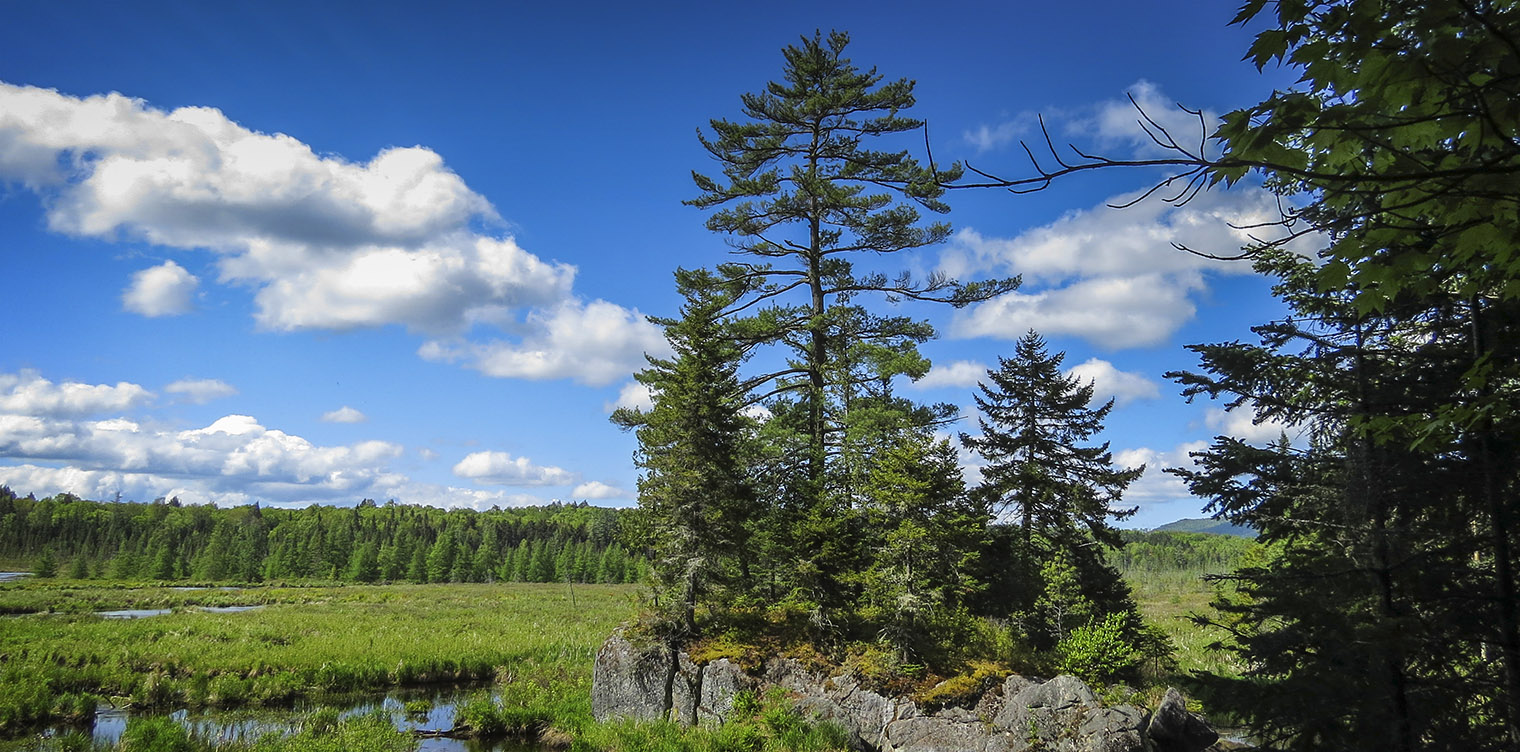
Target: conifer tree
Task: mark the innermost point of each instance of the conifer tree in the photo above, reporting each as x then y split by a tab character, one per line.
79	567
46	564
1035	420
1043	477
803	197
695	495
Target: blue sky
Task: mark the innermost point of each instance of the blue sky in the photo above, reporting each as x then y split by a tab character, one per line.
291	253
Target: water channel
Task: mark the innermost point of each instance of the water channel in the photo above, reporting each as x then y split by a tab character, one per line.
247	725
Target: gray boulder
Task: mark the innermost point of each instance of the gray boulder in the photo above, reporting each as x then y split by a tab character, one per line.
1174	729
1060	715
1063	715
629	681
685	690
936	733
1115	729
841	700
721	680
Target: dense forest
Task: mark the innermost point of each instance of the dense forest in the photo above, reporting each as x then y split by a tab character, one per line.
66	536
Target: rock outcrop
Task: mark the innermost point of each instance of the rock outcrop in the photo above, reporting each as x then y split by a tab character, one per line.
1022	715
1173	729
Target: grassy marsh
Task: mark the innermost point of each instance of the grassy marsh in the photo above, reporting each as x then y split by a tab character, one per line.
305	642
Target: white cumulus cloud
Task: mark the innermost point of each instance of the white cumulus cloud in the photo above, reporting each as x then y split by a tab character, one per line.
50	442
596	489
1243	423
28	394
1112	312
634	396
1112	276
1157	487
233	455
1124	386
163	290
959	373
322	242
1112	123
502	469
1118	122
201	391
344	414
593	343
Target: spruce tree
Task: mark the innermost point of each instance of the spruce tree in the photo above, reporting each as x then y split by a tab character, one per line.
1043	477
1034	424
695	495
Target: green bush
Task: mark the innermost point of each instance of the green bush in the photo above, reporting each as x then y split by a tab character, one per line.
1100	651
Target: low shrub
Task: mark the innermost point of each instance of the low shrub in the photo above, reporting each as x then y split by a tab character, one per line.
1100	651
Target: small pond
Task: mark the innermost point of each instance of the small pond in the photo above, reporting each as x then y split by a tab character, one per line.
109	722
12	576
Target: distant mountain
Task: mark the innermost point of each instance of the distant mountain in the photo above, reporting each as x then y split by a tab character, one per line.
1218	527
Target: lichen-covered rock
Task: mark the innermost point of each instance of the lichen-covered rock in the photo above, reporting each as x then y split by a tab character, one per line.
685	690
1063	715
1174	729
1059	715
841	700
721	680
935	733
629	681
992	701
1115	729
1043	702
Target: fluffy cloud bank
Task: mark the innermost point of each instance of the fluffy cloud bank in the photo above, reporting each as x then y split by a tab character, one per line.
1112	276
1157	487
593	343
234	454
73	437
28	394
322	242
1243	423
1123	386
959	373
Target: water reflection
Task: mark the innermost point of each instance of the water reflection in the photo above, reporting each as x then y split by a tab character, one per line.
133	613
249	725
141	613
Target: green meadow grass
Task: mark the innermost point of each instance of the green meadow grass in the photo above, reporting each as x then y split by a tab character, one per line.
1168	599
304	642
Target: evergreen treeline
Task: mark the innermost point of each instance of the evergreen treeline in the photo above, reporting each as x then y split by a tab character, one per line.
72	537
1163	551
